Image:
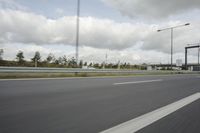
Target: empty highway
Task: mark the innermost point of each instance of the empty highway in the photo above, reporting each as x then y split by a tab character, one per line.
143	104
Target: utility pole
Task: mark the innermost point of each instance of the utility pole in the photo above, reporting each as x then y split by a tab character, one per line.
77	31
198	54
106	57
35	62
119	64
172	42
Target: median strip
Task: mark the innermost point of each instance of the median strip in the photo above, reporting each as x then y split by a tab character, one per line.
137	82
140	122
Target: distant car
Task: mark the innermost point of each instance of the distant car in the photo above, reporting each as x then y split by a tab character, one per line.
86	67
91	68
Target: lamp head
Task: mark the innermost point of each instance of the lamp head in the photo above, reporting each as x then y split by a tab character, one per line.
187	24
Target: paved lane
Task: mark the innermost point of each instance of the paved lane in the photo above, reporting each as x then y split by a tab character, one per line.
86	105
186	120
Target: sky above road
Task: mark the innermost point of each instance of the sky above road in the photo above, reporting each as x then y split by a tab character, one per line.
125	30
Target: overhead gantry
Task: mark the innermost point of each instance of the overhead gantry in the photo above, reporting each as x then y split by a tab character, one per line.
186	51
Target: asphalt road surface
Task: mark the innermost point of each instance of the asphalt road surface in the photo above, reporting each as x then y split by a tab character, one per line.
92	105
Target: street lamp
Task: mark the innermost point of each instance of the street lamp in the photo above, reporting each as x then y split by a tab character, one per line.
77	30
172	30
198	54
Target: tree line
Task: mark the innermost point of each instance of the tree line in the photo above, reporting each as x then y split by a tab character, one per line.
63	61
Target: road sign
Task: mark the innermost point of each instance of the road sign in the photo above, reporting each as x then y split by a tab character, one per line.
179	63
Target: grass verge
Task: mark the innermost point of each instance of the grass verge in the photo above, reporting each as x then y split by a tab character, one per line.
54	75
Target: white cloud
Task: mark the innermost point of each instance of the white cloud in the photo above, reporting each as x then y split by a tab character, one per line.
24	27
130	42
153	8
30	28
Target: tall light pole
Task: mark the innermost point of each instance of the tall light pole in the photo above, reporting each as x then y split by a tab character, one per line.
77	31
172	32
198	54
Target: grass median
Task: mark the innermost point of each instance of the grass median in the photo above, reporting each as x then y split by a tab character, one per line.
54	75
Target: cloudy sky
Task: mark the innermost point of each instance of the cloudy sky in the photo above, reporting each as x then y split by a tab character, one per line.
125	30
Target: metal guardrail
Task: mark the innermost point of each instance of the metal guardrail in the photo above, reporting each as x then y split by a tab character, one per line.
78	70
62	70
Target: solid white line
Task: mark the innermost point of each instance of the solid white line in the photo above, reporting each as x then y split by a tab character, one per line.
142	121
137	82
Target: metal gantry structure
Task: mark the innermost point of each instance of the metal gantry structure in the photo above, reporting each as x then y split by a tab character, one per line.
172	30
196	45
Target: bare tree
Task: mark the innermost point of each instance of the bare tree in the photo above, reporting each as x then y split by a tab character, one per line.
20	57
85	64
65	60
50	58
36	58
81	63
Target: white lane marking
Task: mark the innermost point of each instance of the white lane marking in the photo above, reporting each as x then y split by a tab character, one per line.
137	82
142	121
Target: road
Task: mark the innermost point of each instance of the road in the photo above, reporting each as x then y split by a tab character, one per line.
92	105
